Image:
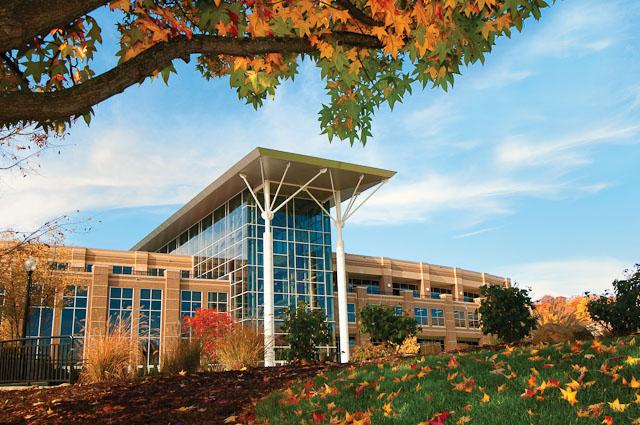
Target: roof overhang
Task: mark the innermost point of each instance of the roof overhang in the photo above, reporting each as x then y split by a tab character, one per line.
272	164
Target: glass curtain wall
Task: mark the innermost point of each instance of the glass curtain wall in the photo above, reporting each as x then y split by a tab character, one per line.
227	244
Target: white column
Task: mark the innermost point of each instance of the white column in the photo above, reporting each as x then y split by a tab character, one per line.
343	324
267	264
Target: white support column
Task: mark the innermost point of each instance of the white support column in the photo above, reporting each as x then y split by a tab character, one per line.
341	271
267	261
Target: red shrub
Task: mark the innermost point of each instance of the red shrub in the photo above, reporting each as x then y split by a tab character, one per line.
209	325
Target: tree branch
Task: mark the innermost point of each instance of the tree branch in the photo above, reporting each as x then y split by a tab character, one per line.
77	100
22	20
359	14
24	83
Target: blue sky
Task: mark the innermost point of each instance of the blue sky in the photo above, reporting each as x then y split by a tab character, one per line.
528	167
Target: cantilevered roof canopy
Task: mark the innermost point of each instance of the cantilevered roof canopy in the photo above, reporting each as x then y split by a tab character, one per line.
272	163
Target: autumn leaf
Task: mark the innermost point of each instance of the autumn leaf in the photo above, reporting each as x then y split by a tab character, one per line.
569	395
319	417
608	420
230	419
616	406
486	398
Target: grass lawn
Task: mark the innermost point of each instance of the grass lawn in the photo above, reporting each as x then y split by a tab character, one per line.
580	383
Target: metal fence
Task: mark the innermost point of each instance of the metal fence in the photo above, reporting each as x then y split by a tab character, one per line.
40	360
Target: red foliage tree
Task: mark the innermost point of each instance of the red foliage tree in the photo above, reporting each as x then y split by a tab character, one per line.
208	325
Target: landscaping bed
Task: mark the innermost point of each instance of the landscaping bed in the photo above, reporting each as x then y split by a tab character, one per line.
204	398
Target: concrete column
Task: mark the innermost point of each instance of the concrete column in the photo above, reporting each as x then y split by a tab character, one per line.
457	283
407	303
450	340
361	302
425	281
341	271
98	301
171	327
386	279
141	262
267	264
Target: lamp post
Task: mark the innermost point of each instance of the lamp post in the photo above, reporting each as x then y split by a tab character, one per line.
29	267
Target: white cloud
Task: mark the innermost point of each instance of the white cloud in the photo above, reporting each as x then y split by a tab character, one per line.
476	232
567	277
499	76
476	198
568	151
578	29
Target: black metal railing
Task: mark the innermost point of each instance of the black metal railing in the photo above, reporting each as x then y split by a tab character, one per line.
40	360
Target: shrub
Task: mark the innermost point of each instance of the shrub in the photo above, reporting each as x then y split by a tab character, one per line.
381	323
619	312
112	356
554	332
506	312
409	346
239	347
369	351
306	329
208	325
186	356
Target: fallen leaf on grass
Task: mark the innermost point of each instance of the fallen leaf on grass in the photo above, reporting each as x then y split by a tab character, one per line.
230	419
569	395
616	406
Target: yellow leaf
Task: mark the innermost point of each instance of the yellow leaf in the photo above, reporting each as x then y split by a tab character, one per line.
326	49
463	420
569	395
616	406
485	398
230	419
501	387
632	361
120	4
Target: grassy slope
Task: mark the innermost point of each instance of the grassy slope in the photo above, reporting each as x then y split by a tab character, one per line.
416	390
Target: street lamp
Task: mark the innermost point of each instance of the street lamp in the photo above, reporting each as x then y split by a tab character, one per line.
29	267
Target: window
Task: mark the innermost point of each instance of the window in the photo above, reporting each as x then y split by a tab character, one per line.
59	266
474	319
218	301
74	311
436	292
420	314
120	307
40	322
373	286
88	267
190	301
437	317
122	270
351	313
184	274
470	296
352	340
397	310
399	287
458	318
155	272
74	317
149	324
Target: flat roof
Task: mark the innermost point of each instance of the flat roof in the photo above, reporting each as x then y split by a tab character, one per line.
303	167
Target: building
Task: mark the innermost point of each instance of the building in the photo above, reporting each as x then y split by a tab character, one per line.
257	241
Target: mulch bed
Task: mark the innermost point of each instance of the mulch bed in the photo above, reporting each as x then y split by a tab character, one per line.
207	398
